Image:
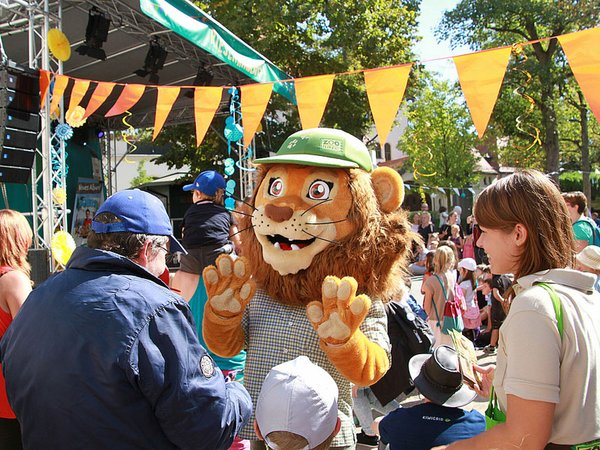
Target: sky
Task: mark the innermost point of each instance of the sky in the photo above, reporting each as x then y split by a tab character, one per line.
428	47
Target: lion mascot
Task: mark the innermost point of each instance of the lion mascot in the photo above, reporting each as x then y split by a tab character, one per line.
325	245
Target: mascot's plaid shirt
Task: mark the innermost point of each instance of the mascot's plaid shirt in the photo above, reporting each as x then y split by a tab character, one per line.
276	333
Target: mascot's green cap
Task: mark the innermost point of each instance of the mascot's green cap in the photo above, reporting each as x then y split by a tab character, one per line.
323	147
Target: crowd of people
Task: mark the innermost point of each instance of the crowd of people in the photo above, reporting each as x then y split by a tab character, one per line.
118	358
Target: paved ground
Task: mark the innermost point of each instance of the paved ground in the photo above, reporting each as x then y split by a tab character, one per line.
480	404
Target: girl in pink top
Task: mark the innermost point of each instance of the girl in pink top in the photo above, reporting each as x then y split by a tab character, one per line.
15	285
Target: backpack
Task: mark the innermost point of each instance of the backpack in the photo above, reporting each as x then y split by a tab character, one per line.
409	335
418	337
595	229
452	318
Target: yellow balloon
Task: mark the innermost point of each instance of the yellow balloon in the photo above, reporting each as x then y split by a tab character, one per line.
62	246
59	45
59	195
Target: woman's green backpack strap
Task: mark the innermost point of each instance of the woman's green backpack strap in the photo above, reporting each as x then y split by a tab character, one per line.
493	414
557	306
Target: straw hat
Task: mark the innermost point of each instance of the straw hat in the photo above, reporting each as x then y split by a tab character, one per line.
590	257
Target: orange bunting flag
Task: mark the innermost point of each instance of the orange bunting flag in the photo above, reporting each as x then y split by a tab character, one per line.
480	75
101	93
129	97
206	102
164	103
44	85
582	53
385	89
60	84
312	95
79	89
255	98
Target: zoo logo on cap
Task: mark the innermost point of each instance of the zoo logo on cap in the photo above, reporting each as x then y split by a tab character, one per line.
334	145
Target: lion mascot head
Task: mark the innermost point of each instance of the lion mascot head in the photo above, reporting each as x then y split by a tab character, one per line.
320	209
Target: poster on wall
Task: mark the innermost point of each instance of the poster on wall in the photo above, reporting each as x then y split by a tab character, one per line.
88	199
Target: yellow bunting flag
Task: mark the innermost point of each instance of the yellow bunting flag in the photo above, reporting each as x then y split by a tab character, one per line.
60	84
206	102
44	85
79	89
164	102
480	75
255	98
584	59
385	89
101	93
312	95
129	97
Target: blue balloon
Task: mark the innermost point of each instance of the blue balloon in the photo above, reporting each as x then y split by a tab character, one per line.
229	203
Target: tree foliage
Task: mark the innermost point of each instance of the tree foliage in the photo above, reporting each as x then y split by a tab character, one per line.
439	138
303	38
484	24
142	176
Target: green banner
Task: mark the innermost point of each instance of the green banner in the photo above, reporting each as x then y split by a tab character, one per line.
196	26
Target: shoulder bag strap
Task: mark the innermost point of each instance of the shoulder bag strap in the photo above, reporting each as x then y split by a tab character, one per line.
442	285
437	316
556	304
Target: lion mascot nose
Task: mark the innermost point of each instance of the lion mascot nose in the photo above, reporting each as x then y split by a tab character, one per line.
278	213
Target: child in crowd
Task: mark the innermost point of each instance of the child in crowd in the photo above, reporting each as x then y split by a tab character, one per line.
440	419
208	228
468	247
428	266
297	407
498	309
588	260
417	267
482	273
434	241
468	284
457	239
452	246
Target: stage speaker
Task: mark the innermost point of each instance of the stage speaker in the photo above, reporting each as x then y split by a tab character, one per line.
19	121
39	259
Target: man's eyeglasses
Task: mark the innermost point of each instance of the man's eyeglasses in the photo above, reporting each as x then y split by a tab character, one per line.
162	247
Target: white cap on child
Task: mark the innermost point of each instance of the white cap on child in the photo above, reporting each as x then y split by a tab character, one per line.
298	397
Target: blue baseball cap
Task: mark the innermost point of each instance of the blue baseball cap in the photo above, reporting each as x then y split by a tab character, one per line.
139	212
208	182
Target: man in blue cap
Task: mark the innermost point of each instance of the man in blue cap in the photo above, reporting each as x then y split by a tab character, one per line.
104	355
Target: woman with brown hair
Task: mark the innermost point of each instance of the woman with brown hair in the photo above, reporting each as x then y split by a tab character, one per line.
547	378
15	285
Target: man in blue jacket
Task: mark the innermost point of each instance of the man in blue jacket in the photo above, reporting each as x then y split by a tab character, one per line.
104	355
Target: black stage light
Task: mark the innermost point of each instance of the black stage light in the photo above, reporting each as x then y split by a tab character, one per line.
96	33
204	77
155	60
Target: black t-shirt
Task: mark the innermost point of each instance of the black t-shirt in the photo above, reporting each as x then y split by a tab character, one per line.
205	223
425	232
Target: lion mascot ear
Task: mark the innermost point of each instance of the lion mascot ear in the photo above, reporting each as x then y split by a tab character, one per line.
388	187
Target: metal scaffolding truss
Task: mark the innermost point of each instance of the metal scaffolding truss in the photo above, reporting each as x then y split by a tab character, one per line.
38	17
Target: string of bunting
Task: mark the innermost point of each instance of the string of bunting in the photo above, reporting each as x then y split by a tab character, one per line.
480	75
436	189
